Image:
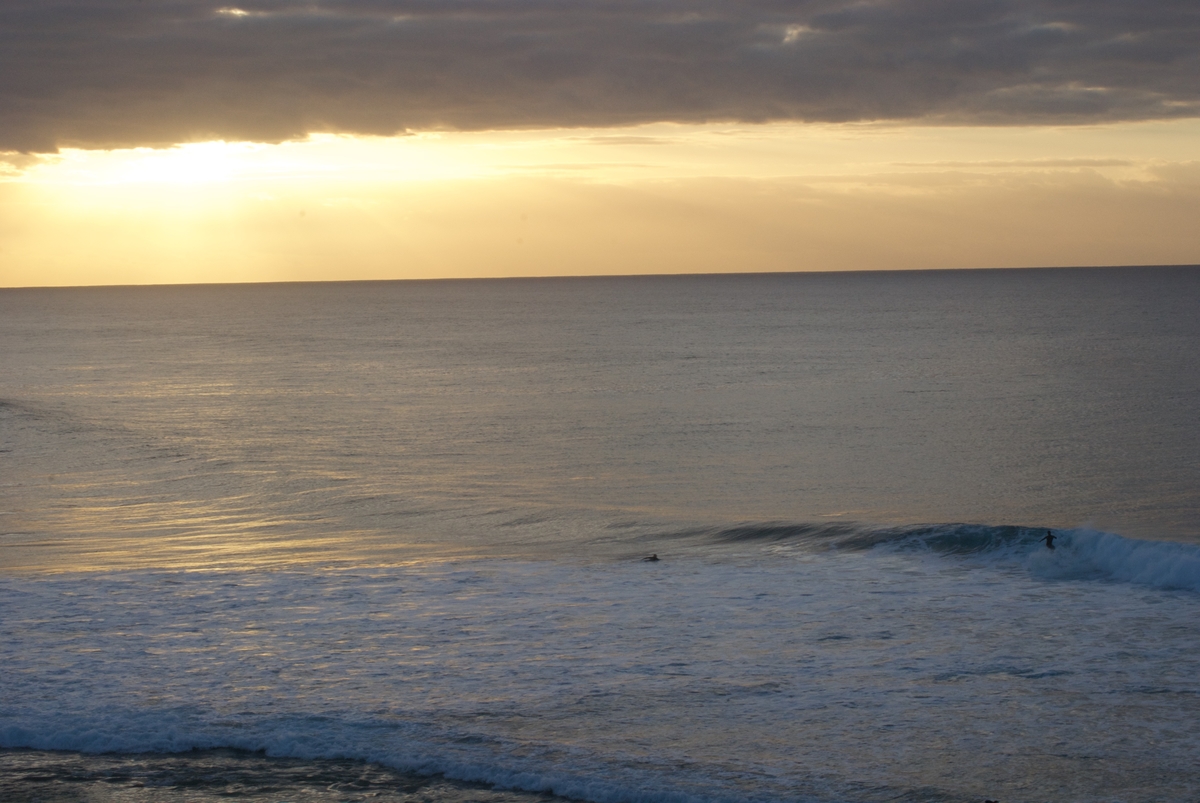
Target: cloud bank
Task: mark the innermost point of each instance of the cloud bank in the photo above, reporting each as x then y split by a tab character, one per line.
120	73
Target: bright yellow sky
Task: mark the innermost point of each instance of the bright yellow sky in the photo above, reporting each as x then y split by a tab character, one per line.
649	199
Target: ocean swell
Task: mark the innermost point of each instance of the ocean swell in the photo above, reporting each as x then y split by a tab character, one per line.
1088	554
1079	553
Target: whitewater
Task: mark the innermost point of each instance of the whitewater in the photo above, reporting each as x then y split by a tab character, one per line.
385	542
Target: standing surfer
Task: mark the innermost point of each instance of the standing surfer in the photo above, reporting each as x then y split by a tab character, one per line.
1049	539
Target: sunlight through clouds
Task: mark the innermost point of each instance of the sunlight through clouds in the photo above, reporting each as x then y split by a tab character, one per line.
663	198
140	142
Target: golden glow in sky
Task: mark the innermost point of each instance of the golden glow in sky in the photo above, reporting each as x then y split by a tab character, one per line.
661	198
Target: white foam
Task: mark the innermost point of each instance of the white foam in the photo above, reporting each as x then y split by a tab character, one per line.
1085	554
834	676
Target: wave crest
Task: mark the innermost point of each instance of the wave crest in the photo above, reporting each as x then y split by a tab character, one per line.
1080	553
1089	554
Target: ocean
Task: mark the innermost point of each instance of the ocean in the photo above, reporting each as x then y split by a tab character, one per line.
386	541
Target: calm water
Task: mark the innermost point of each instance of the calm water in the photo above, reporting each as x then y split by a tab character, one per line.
382	541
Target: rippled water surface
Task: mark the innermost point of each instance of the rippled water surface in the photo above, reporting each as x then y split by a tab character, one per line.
384	541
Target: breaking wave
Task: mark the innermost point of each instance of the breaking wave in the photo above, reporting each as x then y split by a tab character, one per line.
1079	553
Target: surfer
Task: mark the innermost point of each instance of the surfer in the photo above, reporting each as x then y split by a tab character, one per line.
651	559
1049	539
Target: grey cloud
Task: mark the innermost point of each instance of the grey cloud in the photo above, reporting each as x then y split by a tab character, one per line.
130	72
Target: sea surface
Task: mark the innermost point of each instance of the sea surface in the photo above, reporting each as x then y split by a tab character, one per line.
385	541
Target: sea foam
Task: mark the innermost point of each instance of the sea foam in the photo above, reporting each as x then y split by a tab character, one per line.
752	673
1088	554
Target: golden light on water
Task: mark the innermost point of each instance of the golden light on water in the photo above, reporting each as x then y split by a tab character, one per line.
649	199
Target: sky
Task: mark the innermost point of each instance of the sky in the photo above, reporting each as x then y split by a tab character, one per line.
161	141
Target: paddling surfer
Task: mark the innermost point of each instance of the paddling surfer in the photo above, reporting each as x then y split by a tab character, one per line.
1049	539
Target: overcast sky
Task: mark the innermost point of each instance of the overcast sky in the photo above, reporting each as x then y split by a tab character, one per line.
119	73
146	141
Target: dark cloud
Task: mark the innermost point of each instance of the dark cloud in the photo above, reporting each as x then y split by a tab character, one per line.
126	72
